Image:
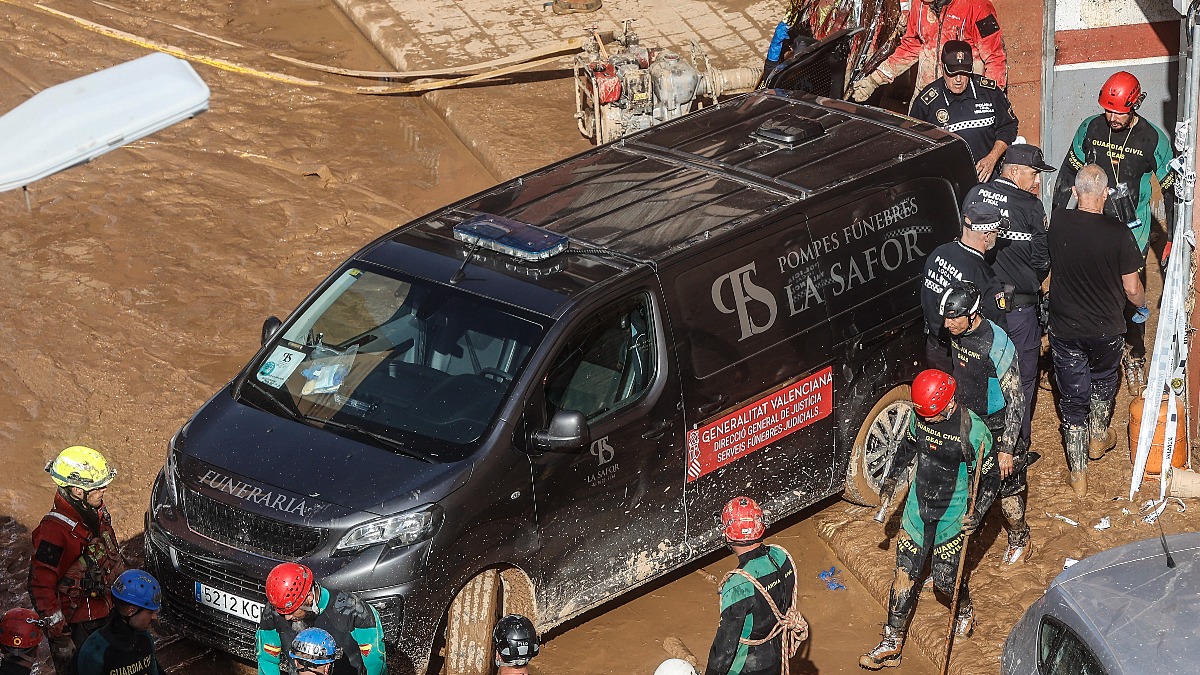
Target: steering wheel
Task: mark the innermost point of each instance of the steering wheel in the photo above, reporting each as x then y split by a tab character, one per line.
496	375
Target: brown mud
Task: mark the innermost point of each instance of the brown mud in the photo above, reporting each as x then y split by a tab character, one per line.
137	285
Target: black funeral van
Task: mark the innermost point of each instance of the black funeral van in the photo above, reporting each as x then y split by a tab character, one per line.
536	399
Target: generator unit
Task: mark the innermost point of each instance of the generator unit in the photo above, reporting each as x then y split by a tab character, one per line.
625	87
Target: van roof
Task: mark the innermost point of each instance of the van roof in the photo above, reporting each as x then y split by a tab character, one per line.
655	193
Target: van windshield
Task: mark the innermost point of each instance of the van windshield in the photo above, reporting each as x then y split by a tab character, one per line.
416	367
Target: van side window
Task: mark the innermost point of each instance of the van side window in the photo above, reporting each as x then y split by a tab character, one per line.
607	363
1061	652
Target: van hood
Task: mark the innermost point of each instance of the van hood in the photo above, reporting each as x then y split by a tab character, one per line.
290	459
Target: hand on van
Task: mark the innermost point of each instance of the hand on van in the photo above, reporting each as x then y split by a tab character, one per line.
1005	461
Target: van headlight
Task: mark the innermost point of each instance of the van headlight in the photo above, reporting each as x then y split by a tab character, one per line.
399	530
171	471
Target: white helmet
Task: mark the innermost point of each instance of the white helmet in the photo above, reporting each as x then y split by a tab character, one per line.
675	667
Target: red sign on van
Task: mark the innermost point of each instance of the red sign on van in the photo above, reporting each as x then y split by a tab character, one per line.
758	424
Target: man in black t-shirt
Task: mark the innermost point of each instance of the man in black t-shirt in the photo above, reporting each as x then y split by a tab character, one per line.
1095	263
1022	259
962	259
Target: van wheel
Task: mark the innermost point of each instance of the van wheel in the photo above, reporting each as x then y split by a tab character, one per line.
877	439
469	623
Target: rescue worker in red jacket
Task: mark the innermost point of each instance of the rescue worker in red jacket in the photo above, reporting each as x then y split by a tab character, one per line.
20	635
931	24
75	554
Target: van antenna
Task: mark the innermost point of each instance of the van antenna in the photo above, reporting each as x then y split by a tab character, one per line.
458	274
1162	537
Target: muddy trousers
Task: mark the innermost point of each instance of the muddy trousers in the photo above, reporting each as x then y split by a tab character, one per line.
1026	336
1085	369
910	560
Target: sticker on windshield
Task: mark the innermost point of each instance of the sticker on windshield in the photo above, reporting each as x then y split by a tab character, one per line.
759	424
279	366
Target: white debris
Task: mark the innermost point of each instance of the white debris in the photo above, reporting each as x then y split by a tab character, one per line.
1104	524
1068	562
1072	523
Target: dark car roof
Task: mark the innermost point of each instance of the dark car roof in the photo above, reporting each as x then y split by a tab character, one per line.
691	180
1146	612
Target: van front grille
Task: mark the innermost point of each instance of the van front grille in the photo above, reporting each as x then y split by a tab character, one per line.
247	531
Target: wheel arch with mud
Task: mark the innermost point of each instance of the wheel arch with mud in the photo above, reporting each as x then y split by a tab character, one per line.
462	643
877	400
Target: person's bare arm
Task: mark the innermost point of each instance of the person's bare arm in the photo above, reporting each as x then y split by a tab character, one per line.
1134	289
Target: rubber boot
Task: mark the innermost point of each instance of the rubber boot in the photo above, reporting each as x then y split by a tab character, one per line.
1019	546
1076	441
887	653
1103	438
964	621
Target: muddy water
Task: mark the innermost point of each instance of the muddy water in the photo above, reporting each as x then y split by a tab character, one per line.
137	285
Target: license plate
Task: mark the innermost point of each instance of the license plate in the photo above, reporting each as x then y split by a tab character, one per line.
228	602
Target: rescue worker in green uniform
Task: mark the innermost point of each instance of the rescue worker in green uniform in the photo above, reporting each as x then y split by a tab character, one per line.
1133	152
761	627
124	644
989	384
296	602
944	439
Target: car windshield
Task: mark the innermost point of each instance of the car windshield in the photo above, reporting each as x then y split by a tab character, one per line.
416	367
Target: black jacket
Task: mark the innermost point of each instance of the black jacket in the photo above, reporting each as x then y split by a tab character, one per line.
1023	251
981	115
953	260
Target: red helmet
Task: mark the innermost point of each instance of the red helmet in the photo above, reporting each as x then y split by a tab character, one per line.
1121	93
743	521
288	585
20	628
932	391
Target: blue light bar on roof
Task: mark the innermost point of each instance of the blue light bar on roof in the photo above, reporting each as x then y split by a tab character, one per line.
510	237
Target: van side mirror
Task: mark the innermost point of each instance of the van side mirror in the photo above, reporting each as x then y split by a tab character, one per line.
270	328
568	432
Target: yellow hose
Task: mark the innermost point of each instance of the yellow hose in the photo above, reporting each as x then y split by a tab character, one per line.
380	90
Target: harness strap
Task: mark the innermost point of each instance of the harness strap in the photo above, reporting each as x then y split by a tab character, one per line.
791	626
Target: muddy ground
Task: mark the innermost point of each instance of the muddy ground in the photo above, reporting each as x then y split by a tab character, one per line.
138	283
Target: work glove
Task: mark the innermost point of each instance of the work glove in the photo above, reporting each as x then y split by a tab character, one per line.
970	523
62	649
1166	254
862	89
1141	315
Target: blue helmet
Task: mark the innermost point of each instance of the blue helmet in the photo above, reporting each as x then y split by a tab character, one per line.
315	646
138	588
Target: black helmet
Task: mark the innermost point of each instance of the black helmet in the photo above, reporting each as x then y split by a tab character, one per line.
960	298
515	640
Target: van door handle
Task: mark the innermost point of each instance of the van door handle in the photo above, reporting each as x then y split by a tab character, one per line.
712	406
657	430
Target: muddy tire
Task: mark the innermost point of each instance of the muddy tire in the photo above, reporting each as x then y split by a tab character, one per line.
876	440
469	623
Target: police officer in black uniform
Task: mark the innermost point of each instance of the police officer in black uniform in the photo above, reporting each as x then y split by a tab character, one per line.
963	259
971	106
1022	259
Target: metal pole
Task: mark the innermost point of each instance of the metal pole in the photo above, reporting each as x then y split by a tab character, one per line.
962	557
1047	98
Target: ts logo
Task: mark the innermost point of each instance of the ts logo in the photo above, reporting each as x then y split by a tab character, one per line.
744	290
602	451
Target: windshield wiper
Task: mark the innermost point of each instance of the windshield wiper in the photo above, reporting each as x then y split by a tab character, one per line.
288	411
374	435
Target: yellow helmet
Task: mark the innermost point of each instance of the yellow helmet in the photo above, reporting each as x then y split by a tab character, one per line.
81	467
